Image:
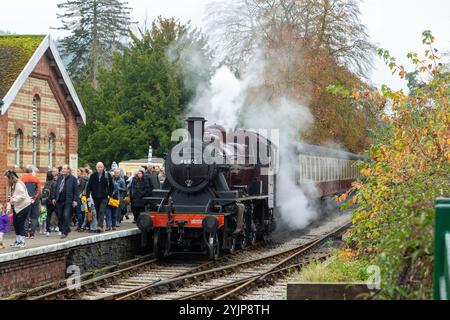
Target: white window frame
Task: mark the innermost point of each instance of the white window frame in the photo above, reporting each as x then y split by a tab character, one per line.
18	142
51	149
35	129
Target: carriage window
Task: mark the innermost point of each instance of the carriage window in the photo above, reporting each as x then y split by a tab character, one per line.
353	170
335	169
300	169
320	169
317	169
311	166
308	169
346	170
314	160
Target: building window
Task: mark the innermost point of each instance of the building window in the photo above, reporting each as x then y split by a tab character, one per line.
35	129
51	150
18	148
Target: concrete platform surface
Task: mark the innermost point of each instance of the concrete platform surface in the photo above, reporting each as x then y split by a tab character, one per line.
42	244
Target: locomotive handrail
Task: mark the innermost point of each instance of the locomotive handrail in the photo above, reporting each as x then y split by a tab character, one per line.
207	206
441	283
161	201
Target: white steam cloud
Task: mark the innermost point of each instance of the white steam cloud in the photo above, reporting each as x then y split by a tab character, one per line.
228	101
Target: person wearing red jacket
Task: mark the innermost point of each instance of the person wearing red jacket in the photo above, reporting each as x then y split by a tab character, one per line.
33	185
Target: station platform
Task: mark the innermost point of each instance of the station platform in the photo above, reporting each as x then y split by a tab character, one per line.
45	245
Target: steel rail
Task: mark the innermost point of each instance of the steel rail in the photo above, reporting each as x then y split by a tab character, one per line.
181	281
83	286
195	270
234	288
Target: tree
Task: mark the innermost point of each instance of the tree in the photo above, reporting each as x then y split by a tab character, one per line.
305	46
143	97
97	28
394	217
243	26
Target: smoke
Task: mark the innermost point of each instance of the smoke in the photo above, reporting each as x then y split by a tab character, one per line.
291	119
246	103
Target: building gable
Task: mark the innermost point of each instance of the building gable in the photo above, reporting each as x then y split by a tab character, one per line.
45	47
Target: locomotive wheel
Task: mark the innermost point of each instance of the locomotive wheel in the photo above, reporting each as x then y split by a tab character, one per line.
213	246
253	238
232	248
243	241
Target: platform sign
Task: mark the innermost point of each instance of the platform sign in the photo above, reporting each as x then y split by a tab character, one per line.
150	155
73	163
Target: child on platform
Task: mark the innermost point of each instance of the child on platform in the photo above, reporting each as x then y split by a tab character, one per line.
5	225
43	219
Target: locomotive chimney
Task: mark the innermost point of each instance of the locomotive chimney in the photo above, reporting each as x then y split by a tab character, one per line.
196	127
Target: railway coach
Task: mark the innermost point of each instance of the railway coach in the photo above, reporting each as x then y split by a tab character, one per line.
327	171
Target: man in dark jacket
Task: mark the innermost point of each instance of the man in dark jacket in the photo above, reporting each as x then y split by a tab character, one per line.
152	175
66	198
100	187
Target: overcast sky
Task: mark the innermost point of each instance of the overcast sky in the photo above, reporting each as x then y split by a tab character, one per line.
393	24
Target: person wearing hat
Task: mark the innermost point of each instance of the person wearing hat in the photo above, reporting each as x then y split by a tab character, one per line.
21	204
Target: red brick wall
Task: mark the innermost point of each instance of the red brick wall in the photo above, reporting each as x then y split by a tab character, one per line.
28	273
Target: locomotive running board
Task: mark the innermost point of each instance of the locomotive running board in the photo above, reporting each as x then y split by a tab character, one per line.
253	198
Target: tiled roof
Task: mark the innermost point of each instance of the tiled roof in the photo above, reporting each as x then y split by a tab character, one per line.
15	52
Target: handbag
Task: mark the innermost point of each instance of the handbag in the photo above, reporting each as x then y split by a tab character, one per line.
113	202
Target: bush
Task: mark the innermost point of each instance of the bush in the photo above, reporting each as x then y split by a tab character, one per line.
408	170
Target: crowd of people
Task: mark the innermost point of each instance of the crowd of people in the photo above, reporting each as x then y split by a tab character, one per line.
92	201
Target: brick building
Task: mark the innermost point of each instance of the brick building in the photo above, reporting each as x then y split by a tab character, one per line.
40	110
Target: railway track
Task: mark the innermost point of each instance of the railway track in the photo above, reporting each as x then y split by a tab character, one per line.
124	277
232	276
235	278
61	285
253	278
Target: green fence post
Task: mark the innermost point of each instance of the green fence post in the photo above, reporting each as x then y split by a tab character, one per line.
441	279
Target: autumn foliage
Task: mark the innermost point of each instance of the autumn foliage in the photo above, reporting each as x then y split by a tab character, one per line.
408	169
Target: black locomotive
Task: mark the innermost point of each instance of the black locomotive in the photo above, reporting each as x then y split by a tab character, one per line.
219	192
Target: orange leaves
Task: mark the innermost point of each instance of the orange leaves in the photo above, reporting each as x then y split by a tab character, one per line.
348	254
366	172
402	74
342	198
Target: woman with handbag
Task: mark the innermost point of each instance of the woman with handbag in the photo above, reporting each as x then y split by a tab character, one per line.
21	205
112	210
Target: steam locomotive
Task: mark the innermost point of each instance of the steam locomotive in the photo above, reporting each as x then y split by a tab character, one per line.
220	189
219	192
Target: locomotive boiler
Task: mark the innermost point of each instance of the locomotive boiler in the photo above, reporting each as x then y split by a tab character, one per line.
219	192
